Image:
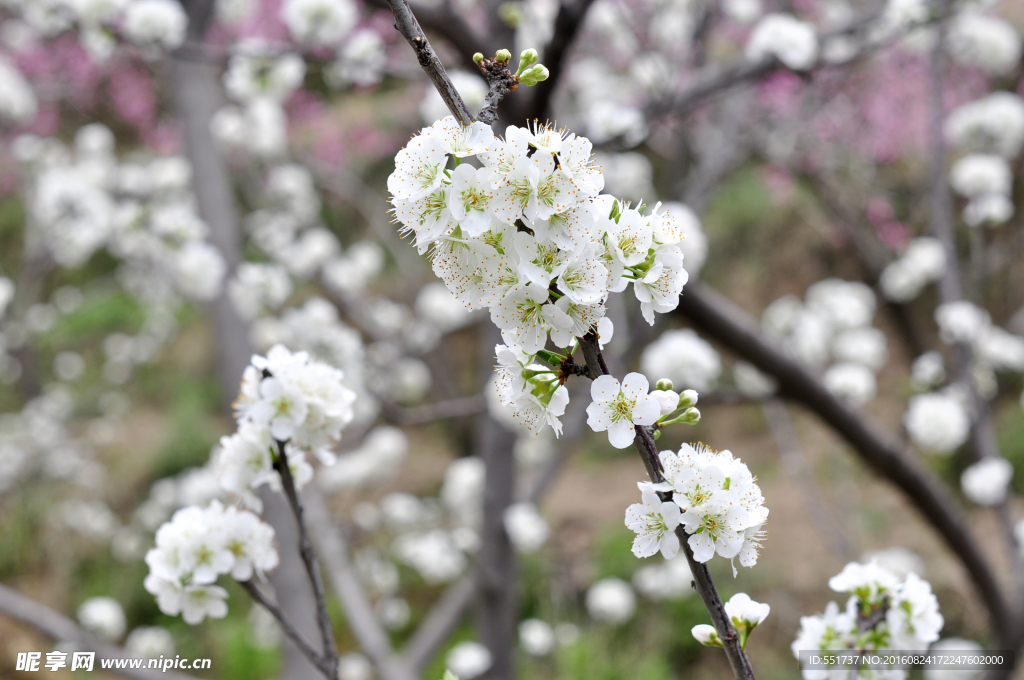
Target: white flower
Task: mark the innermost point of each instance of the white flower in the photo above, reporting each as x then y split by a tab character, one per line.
667	580
854	383
320	23
525	316
990	209
540	262
865	345
791	41
527	529
955	646
923	261
536	412
361	60
470	198
102	616
980	174
927	371
258	289
844	304
155	22
937	423
684	358
746	612
468	660
961	321
432	553
460	140
914	619
419	168
17	100
989	43
868	581
584	280
654	523
659	290
1003	350
994	123
199	270
536	637
986	481
254	71
149	642
617	409
354	666
611	600
630	237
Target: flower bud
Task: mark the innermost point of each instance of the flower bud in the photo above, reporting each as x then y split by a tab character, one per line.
477	58
691	416
527	59
706	635
502	55
663	384
534	75
688	398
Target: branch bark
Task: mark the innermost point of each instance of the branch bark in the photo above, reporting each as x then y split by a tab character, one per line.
409	27
315	657
702	581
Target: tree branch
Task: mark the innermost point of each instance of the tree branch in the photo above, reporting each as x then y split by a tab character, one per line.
702	582
59	627
720	319
307	649
406	24
308	554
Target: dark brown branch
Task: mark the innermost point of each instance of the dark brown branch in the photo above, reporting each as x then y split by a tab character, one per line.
720	319
409	27
307	649
705	586
308	555
59	627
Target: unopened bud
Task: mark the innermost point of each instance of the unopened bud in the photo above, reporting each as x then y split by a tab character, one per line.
502	55
534	75
527	59
657	435
688	398
663	384
691	416
477	58
706	635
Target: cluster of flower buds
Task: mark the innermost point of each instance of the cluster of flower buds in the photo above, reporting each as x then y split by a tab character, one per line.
529	72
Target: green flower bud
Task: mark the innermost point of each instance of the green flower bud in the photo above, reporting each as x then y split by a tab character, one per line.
691	416
534	75
526	59
502	55
688	398
477	58
663	384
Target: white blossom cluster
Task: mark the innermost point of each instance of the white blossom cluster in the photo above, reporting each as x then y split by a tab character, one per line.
904	613
832	328
84	199
529	236
990	130
683	357
199	545
987	42
922	262
153	25
791	41
714	497
937	422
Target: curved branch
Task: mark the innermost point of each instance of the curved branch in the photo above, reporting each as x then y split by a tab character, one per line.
289	630
719	318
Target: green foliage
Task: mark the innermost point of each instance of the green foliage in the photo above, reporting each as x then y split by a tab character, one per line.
192	429
614	554
609	654
100	315
239	658
1011	442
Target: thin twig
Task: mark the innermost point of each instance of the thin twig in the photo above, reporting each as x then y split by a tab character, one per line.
308	554
368	631
307	649
409	27
59	627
